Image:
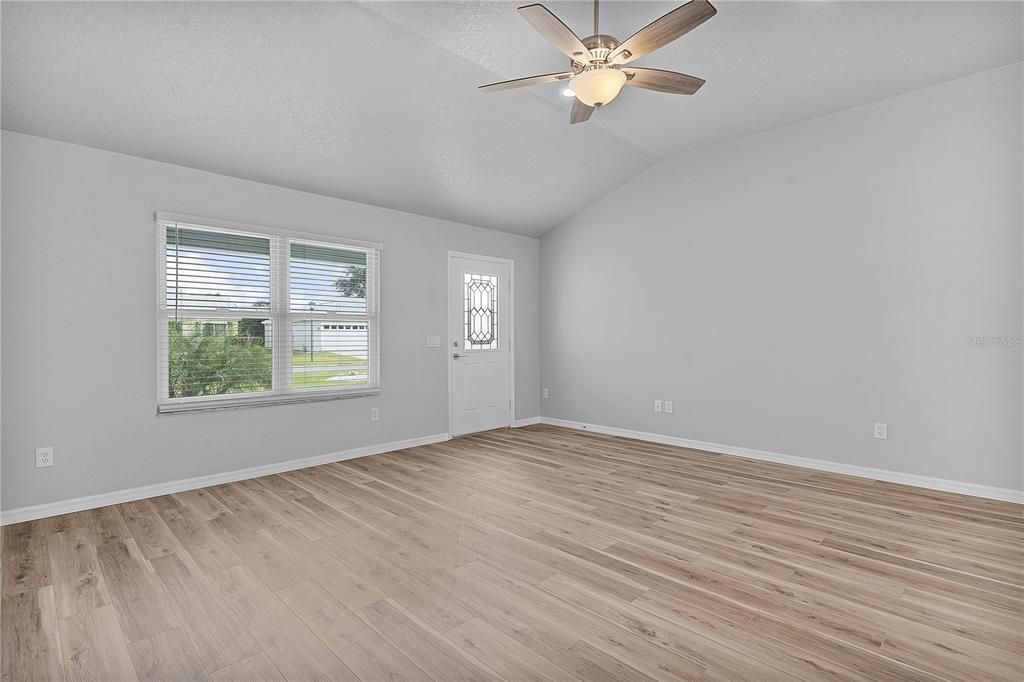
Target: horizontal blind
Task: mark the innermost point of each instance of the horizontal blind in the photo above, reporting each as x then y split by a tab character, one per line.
332	328
244	315
216	271
327	280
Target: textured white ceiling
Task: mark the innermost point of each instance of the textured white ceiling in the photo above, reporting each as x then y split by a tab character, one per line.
376	102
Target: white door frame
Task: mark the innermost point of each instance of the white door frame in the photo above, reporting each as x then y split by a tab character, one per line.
511	331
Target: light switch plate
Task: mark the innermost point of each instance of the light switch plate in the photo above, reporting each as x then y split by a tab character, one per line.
668	407
433	342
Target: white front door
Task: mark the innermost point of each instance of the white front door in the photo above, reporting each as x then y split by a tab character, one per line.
478	344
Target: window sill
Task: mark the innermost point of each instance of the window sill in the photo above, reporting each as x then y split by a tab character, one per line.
261	401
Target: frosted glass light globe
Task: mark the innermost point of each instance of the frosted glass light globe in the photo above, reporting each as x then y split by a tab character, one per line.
597	87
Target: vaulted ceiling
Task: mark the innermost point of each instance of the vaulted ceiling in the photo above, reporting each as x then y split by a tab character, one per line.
376	102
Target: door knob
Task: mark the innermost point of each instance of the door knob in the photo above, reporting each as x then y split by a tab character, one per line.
456	356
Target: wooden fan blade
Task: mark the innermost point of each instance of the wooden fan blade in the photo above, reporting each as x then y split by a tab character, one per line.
663	81
557	33
525	82
580	112
663	31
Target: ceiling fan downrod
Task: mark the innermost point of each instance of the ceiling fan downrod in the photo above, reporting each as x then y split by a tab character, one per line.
600	46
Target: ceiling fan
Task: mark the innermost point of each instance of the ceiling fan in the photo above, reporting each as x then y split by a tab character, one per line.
597	63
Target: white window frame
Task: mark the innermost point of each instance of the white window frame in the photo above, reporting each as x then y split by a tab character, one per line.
280	313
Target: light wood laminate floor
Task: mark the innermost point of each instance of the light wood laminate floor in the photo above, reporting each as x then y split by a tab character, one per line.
536	553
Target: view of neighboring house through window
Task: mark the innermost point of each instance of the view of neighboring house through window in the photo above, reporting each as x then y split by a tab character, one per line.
248	317
329	284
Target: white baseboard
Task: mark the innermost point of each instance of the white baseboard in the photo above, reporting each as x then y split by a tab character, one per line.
41	511
529	421
972	489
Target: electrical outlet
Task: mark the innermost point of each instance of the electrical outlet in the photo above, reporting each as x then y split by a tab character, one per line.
881	431
668	407
545	393
375	414
44	457
657	406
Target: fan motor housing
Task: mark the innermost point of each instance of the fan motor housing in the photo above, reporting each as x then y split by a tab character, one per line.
600	47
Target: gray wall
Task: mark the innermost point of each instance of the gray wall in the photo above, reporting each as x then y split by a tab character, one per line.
789	289
79	324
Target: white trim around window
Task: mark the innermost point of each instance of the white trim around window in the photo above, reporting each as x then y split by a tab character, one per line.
250	315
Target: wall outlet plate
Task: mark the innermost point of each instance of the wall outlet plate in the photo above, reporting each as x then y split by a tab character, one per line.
668	407
433	342
657	406
375	414
881	431
545	392
44	457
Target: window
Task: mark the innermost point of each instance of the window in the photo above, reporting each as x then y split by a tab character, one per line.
481	312
255	316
